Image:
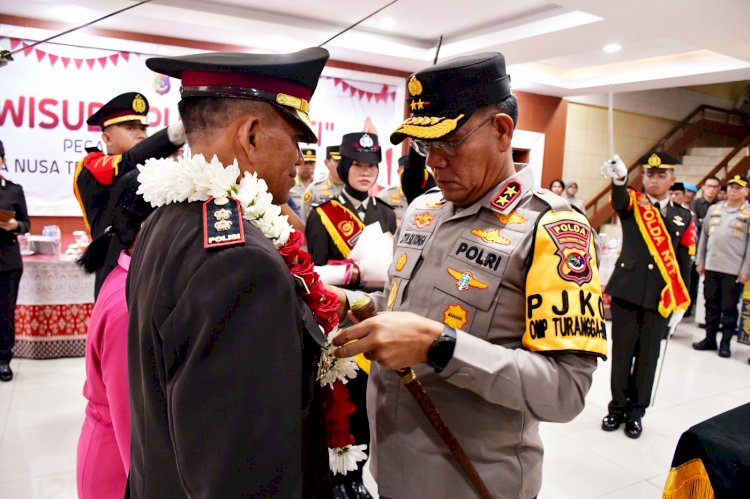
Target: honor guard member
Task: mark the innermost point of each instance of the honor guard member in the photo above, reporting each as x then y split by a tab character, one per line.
493	298
223	351
302	182
123	121
724	260
14	222
332	231
334	225
323	190
394	195
648	284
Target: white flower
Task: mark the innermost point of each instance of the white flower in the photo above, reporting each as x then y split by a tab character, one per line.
344	459
165	181
338	369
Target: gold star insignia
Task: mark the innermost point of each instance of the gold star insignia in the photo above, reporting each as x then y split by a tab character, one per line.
510	190
502	199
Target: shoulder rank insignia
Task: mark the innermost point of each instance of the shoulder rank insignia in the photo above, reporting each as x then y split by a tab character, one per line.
222	223
466	280
510	192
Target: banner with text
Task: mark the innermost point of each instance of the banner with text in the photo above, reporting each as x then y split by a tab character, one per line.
49	91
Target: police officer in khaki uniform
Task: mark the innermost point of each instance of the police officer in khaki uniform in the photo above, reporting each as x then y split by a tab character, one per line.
723	258
325	189
493	298
394	195
302	182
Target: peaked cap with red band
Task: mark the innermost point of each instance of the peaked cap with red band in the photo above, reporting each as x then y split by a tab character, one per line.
286	81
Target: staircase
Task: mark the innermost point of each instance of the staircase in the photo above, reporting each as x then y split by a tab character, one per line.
713	141
700	160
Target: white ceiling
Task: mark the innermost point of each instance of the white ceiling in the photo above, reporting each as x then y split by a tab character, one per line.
550	48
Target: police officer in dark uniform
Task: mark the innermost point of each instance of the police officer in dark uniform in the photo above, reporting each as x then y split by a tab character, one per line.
223	351
14	222
123	121
641	301
358	169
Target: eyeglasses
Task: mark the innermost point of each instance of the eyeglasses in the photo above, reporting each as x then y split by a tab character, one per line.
445	147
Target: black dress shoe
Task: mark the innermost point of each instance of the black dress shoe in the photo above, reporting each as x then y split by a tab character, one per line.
6	374
633	427
705	344
611	421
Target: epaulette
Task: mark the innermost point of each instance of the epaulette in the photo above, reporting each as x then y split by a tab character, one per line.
381	200
103	167
323	201
555	202
222	223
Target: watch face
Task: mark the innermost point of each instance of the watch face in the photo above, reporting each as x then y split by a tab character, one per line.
441	350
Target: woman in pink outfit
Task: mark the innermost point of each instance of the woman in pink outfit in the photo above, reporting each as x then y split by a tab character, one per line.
104	445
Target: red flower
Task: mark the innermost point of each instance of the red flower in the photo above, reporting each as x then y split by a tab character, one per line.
337	408
292	246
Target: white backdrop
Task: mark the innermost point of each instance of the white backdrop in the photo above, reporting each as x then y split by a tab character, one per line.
48	91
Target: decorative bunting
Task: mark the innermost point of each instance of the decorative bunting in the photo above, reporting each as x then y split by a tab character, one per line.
27	49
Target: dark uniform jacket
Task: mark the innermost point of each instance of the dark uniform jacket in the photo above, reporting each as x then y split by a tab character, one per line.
222	360
636	277
12	199
321	245
95	177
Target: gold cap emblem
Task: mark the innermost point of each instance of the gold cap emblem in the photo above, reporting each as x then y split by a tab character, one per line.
414	86
654	161
139	104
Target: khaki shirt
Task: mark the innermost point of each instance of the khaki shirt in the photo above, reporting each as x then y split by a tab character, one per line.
317	192
723	245
493	392
297	194
395	198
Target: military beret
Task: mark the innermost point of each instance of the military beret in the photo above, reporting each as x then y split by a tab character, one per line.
130	106
662	160
332	152
677	186
309	155
689	186
738	179
286	81
361	147
442	97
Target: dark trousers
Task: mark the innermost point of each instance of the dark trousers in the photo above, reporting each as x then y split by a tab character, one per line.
722	293
636	341
9	281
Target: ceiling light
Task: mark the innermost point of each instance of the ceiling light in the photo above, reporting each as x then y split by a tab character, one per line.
611	48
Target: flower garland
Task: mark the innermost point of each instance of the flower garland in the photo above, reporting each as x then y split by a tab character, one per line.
165	181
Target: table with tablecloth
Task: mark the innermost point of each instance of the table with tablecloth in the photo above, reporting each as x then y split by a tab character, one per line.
712	459
55	299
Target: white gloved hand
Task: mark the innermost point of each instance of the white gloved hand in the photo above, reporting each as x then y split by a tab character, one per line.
176	133
614	168
675	319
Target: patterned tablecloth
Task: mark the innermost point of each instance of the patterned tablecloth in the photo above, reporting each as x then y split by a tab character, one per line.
55	300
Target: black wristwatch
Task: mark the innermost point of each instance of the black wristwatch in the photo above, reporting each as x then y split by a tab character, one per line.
441	350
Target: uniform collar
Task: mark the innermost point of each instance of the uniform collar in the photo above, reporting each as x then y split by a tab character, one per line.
504	197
